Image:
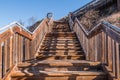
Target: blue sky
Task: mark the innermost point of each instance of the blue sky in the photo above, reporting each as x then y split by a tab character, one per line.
15	10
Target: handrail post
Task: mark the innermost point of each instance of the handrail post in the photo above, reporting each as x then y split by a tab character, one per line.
70	21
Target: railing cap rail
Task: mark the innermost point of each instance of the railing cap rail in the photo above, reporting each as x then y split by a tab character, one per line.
15	23
105	23
11	25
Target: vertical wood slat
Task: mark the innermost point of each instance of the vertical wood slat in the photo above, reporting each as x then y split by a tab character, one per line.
113	56
103	47
11	51
8	54
0	60
96	54
27	49
16	49
5	57
109	53
106	45
21	59
117	61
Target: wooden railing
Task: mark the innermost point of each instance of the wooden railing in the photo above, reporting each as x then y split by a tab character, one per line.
18	44
101	43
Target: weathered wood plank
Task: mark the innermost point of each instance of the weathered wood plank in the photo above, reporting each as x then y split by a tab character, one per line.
11	51
117	61
5	35
113	57
0	60
8	54
5	57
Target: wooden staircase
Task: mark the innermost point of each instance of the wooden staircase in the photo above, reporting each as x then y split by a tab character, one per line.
60	57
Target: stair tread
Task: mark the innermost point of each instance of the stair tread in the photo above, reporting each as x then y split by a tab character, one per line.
60	39
63	48
60	63
60	42
61	33
52	55
58	73
68	52
60	45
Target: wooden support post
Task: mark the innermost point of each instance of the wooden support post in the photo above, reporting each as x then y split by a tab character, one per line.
118	4
21	50
5	57
27	49
8	54
16	48
0	61
117	61
11	52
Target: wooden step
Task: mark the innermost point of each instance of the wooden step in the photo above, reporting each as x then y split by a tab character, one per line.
59	47
60	57
61	68
61	41
58	73
64	55
66	27
61	75
59	63
61	30
62	52
61	38
52	38
61	33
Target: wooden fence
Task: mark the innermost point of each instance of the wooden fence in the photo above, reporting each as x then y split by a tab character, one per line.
18	45
101	43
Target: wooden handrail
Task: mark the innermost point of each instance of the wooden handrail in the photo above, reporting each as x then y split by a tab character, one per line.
17	44
101	43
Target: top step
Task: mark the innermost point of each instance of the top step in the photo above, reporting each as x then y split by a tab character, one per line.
62	33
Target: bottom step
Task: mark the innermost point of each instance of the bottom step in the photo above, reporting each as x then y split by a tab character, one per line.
59	75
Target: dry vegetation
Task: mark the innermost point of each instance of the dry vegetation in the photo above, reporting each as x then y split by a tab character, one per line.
92	17
89	19
113	19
